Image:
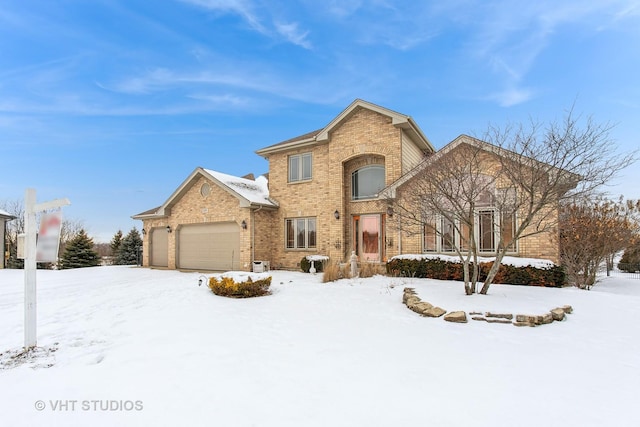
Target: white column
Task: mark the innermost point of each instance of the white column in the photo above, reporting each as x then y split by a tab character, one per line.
30	269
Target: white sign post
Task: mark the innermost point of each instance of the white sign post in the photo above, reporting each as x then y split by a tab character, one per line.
30	229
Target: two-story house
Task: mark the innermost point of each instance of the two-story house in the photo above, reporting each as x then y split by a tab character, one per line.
323	195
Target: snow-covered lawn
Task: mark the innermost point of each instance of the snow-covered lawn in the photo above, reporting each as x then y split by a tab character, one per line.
134	346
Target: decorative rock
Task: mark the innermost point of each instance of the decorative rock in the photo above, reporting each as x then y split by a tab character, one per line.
516	323
456	317
525	318
545	319
435	312
500	315
411	299
475	313
478	317
567	309
558	314
420	307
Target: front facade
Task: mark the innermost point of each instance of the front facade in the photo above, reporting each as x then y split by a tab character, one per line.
324	196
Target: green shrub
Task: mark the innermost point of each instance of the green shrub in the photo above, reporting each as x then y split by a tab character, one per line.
305	265
227	287
435	268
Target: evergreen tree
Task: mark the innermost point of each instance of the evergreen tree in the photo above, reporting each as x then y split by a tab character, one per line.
79	252
115	243
128	253
631	258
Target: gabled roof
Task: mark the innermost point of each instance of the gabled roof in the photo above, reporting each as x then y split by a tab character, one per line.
321	136
250	193
390	191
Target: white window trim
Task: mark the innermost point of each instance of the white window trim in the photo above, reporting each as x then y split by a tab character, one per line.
300	171
438	219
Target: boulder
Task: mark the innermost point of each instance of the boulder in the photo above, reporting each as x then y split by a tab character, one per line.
558	314
516	323
567	309
545	319
435	312
500	315
526	318
420	307
456	317
411	299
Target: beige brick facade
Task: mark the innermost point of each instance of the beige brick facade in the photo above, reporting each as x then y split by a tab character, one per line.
362	136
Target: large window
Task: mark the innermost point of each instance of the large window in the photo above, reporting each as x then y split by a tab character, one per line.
442	235
300	166
300	233
367	182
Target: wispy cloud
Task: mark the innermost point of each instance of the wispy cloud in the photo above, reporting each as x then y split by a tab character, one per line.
258	19
510	36
292	33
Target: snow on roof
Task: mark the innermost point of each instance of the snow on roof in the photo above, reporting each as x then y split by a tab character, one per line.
254	191
5	213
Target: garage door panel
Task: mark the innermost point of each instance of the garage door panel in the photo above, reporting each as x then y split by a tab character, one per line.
159	240
214	246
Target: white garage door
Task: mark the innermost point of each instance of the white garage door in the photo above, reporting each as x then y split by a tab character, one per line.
159	247
214	246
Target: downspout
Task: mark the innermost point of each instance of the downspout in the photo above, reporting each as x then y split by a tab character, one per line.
253	234
399	235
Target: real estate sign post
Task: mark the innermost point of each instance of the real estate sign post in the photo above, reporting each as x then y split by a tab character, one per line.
31	251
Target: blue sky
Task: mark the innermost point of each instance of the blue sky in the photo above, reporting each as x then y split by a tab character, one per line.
113	103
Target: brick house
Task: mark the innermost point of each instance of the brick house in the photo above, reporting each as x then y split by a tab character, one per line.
323	195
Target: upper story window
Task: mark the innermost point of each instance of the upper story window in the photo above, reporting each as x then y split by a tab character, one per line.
367	182
300	167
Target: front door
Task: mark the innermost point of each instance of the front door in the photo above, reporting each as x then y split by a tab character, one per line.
367	237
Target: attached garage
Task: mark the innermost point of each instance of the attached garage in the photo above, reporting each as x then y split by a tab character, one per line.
159	247
211	246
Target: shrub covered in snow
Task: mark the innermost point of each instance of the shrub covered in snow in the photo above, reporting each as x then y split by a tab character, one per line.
229	287
435	268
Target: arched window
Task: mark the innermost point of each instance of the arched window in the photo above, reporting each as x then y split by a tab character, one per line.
367	182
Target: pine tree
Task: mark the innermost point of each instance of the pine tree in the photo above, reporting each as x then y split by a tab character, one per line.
79	252
115	244
128	253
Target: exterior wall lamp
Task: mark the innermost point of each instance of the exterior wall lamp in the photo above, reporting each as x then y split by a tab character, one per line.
168	229
243	224
389	211
336	214
144	231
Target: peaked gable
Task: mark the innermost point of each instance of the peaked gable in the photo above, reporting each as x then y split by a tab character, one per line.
250	193
321	136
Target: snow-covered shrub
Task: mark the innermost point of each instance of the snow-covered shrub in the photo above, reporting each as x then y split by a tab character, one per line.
228	287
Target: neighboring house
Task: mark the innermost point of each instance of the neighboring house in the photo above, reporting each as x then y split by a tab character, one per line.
324	195
4	218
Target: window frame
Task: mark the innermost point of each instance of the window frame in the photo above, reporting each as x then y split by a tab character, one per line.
303	161
354	176
433	238
300	233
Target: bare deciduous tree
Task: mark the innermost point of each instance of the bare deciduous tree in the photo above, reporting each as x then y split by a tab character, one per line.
485	195
590	233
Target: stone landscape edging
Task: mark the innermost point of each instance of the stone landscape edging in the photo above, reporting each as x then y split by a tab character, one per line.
426	309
